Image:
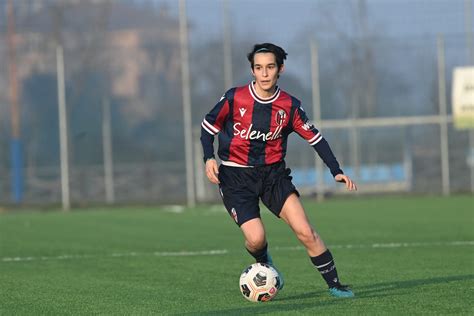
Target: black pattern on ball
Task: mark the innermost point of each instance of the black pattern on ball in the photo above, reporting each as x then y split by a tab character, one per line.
245	290
278	281
260	279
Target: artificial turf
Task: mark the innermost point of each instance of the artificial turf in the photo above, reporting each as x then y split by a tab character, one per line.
402	255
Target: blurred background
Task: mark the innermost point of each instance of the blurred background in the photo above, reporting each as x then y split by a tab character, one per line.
101	101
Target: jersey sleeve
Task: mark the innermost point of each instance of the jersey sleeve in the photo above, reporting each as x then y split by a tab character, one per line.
212	124
303	127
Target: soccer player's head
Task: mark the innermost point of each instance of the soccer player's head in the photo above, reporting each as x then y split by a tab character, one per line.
267	62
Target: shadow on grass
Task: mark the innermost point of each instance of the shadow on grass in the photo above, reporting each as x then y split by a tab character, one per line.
384	288
300	296
261	308
376	290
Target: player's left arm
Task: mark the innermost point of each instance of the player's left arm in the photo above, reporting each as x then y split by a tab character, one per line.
303	127
350	185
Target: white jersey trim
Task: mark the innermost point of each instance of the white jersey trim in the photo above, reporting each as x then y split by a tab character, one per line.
318	137
207	130
209	127
234	164
259	99
314	138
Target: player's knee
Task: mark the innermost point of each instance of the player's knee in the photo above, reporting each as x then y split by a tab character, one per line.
307	236
256	242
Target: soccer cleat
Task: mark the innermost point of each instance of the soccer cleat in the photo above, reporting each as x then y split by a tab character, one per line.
270	262
341	291
269	259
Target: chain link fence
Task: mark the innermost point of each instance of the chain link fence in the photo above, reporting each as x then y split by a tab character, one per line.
127	54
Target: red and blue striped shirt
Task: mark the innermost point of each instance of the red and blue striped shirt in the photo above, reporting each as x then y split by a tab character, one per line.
253	131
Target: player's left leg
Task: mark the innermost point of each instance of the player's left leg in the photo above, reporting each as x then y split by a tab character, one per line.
294	215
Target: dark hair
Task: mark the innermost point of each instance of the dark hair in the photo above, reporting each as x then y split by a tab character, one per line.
280	54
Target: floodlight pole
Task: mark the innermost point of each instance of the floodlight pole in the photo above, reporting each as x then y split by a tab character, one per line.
316	116
187	122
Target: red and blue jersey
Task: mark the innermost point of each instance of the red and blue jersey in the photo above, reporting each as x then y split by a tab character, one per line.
254	131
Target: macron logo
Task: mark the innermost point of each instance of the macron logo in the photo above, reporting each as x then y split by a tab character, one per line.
242	111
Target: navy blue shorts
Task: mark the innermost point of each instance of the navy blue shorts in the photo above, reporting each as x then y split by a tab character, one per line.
242	188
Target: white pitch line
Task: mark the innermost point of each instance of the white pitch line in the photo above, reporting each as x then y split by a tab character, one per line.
216	252
125	254
390	245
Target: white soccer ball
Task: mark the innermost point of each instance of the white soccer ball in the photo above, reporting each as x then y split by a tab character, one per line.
259	282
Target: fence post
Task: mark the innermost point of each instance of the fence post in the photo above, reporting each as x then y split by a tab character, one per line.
317	117
107	151
186	91
63	138
443	125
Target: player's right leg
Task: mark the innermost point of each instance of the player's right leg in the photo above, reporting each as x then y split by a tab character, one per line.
240	194
256	244
255	241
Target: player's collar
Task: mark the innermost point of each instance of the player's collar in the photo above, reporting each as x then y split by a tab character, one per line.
260	99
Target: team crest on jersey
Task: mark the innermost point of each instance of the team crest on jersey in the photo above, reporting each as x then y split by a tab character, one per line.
234	215
280	117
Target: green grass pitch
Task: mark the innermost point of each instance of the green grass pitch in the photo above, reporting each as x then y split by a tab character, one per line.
402	255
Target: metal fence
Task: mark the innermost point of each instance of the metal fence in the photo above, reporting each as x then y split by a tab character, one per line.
377	96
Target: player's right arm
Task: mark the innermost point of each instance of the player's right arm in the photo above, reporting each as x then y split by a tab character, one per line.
211	125
212	170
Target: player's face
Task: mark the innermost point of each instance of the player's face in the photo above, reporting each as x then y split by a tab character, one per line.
265	71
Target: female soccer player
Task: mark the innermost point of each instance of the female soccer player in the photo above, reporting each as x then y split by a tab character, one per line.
253	123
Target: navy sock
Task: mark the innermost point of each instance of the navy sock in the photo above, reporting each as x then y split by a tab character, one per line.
326	266
261	256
